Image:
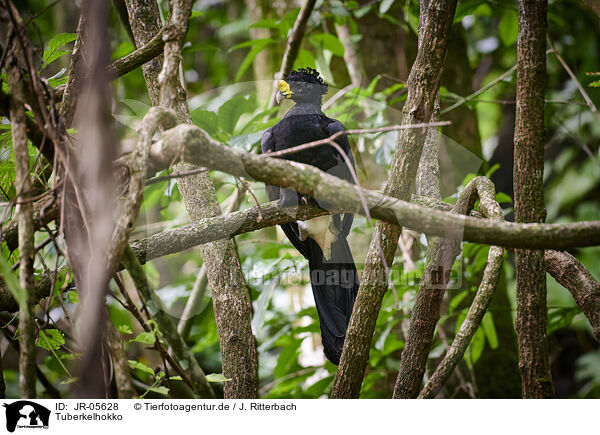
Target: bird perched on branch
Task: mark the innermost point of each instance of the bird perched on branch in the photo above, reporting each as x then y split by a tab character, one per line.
322	240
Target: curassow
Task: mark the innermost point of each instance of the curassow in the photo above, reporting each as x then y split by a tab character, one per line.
322	240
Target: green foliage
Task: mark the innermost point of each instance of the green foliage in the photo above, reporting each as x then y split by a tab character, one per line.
11	280
50	339
53	52
217	377
218	55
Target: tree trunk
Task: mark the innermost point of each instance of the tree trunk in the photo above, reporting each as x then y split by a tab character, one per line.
528	171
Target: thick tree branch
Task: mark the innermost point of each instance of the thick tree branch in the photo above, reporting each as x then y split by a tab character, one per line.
573	276
193	145
76	76
128	63
44	211
219	227
441	254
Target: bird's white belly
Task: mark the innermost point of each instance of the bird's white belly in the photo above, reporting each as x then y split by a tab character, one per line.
320	229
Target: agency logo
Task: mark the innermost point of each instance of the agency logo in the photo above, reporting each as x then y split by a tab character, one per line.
24	414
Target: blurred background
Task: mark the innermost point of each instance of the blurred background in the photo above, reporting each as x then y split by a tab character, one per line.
364	51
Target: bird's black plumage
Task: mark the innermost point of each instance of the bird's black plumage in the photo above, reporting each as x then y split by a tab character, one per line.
334	278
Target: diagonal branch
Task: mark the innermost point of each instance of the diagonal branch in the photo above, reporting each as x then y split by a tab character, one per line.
486	194
191	144
572	275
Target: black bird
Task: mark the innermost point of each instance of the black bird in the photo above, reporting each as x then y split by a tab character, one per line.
322	240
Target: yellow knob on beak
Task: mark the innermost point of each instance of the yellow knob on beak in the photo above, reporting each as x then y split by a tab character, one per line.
284	91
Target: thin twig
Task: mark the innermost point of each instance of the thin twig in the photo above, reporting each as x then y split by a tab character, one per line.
580	88
480	90
174	176
334	136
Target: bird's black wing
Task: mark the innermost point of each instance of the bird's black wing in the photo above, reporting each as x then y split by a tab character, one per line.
267	145
342	171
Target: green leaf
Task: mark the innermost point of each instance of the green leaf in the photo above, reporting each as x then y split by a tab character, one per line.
490	171
141	367
257	46
595	84
287	22
328	42
245	141
145	337
124	329
251	43
50	339
385	5
53	52
205	119
304	59
11	280
560	318
320	387
509	27
477	345
230	112
159	390
502	197
73	296
456	300
217	377
267	23
487	323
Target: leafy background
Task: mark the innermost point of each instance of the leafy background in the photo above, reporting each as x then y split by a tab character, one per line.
228	60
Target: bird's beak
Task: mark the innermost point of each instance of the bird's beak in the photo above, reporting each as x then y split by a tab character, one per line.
283	91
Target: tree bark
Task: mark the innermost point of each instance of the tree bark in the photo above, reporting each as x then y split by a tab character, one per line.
24	217
441	254
230	295
534	361
423	83
573	276
191	144
486	194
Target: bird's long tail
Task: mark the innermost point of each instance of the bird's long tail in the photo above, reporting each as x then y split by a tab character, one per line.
335	285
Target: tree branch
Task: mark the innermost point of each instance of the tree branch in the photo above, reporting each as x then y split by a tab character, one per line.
422	84
488	204
233	311
44	211
191	144
24	217
572	275
128	63
125	389
167	327
441	254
